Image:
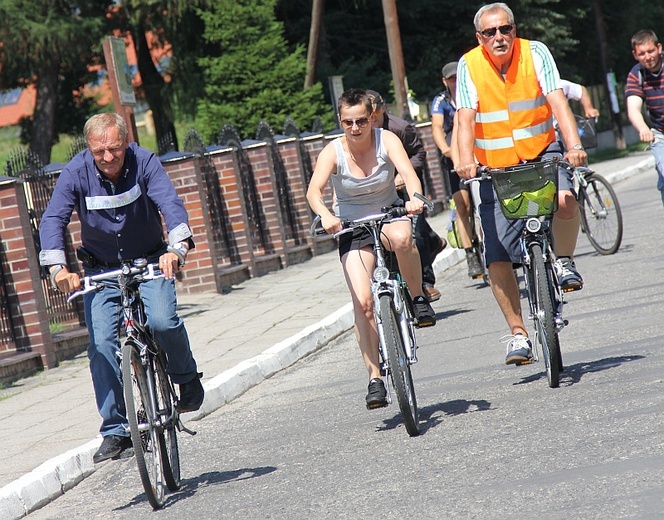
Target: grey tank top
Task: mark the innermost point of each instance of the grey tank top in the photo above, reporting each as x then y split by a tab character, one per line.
359	197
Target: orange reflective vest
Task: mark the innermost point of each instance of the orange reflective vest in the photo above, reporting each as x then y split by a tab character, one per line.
513	122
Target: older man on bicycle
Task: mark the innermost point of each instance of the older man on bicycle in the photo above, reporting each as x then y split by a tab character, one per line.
119	190
508	91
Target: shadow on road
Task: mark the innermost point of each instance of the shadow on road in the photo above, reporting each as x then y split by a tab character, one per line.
189	487
573	373
432	415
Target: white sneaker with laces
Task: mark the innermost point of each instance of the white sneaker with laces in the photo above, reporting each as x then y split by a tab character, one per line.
519	349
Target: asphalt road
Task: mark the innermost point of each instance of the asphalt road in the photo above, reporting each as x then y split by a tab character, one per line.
496	441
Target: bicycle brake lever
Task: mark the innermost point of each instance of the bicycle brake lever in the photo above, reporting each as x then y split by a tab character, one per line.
427	203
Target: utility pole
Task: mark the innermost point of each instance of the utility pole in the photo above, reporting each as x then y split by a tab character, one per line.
609	77
396	56
317	9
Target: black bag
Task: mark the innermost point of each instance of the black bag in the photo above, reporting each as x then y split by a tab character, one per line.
587	131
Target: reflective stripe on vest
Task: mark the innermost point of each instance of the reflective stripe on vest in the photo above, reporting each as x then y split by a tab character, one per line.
513	121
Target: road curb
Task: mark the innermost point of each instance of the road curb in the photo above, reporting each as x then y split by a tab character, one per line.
641	167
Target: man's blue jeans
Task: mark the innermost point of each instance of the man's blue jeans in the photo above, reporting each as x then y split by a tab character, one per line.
103	314
658	151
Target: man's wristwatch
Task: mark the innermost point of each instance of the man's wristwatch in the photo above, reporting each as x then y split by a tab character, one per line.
53	271
578	147
180	250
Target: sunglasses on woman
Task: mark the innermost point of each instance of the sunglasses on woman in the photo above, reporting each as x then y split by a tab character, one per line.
361	122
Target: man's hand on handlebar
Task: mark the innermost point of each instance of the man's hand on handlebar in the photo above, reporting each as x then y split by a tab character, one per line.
169	264
467	171
67	282
576	157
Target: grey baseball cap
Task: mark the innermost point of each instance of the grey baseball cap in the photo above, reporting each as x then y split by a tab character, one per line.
450	69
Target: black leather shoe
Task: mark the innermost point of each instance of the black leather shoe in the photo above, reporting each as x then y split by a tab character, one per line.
111	446
191	395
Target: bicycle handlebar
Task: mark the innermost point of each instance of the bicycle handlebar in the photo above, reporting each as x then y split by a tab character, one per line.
94	283
389	213
485	172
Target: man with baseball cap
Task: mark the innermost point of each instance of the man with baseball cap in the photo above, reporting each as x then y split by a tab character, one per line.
442	122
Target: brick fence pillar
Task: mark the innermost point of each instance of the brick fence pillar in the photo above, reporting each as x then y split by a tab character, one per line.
24	291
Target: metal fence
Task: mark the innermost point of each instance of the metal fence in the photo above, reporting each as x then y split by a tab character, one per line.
220	227
257	225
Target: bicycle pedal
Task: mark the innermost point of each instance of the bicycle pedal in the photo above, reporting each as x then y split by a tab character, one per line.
421	325
526	362
375	406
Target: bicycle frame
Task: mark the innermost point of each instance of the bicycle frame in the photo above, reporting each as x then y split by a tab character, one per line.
538	231
386	282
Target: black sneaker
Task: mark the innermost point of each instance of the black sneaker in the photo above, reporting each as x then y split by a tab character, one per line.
474	267
111	446
377	396
191	395
424	314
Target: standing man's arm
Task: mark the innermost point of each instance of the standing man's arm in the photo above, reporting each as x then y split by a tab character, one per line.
634	108
414	148
588	109
439	135
576	155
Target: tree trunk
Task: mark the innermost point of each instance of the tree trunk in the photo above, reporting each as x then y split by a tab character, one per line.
154	87
43	120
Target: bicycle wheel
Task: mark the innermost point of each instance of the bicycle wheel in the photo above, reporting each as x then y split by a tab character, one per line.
545	326
601	216
141	420
402	379
168	437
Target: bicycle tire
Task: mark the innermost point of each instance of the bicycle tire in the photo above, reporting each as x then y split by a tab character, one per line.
140	416
601	215
402	379
168	436
547	333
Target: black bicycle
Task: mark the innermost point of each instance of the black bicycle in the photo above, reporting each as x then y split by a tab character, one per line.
476	234
601	216
393	312
529	192
150	398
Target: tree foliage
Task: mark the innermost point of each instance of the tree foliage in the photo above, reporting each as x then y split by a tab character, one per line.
48	43
252	74
433	32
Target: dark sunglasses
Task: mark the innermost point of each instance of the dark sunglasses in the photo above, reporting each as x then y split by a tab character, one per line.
361	122
504	30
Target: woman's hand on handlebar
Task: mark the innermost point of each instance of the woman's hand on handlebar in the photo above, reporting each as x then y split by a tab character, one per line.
414	206
331	223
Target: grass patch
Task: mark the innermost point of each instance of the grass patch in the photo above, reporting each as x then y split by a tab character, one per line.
607	154
9	141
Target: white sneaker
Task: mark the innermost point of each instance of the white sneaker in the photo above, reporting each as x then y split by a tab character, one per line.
568	277
519	349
